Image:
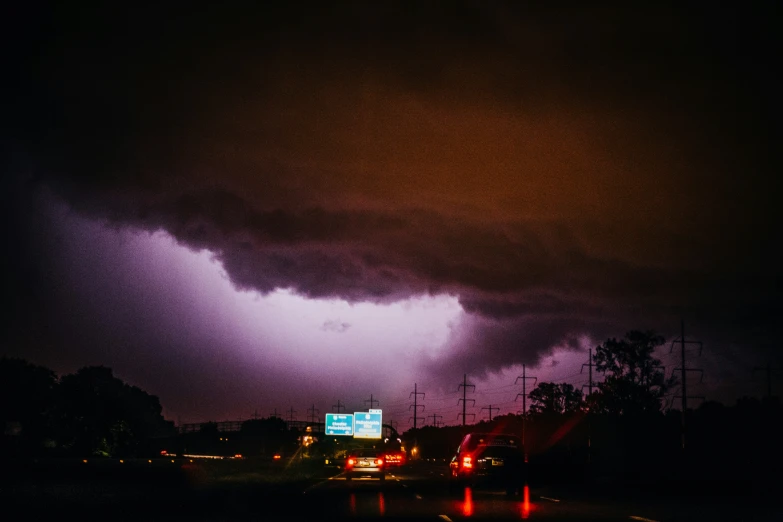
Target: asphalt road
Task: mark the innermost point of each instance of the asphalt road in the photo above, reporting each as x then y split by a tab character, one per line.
416	492
420	493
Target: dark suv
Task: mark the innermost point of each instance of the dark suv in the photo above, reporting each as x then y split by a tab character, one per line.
492	460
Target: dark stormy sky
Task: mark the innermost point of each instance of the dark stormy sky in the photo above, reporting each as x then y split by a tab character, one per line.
284	205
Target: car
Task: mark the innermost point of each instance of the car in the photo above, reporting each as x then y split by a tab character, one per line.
489	460
394	458
365	462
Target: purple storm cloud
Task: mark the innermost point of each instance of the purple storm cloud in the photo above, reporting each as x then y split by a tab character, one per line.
227	209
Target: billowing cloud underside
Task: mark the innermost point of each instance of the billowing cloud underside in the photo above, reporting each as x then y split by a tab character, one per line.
560	182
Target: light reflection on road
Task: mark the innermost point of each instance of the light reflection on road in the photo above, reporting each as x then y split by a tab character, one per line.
467	504
367	505
483	503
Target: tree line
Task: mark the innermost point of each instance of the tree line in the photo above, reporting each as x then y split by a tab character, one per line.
622	430
87	413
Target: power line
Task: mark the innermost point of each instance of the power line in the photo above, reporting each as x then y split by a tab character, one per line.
312	411
490	408
464	400
524	395
590	365
291	412
416	404
338	406
683	371
371	401
435	420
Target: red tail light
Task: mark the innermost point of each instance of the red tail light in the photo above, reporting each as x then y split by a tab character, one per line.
467	462
351	462
379	462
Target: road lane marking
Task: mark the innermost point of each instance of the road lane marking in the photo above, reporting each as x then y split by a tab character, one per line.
444	517
318	484
418	497
405	485
550	499
641	519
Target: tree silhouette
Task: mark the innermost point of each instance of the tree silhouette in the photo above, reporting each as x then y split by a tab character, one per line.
635	381
27	399
101	415
550	397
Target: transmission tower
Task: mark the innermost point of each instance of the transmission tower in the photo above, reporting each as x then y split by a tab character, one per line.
769	374
590	365
524	377
416	404
313	411
683	373
371	401
490	408
464	400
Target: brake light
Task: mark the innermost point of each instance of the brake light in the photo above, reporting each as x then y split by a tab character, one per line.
351	462
467	462
379	462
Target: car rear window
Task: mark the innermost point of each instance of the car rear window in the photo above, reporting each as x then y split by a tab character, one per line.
501	451
493	440
367	453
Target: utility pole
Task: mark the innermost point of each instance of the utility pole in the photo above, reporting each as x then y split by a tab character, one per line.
524	395
312	411
338	406
464	400
291	412
371	401
416	404
274	414
435	420
490	408
683	372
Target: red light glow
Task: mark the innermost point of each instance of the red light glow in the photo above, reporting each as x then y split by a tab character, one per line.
379	462
467	504
467	462
351	462
526	502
